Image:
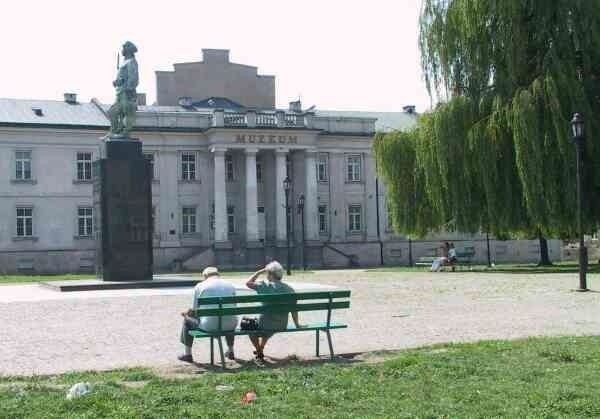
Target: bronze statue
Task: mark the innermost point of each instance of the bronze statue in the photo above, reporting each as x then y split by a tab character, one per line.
122	112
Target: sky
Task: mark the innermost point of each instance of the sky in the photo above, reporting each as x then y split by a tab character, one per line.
335	54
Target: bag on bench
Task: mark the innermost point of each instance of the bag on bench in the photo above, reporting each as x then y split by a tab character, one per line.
249	323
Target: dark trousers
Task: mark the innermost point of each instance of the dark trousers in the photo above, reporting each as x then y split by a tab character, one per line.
190	323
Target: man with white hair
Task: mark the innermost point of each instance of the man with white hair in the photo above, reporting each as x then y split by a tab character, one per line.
270	322
211	286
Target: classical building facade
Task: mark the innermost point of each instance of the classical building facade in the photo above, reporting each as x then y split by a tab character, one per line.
221	151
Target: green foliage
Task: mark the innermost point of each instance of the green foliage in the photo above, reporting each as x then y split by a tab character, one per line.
496	153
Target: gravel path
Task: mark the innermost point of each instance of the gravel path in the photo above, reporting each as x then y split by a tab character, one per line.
44	332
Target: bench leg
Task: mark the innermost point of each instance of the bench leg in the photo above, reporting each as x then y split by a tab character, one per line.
221	351
212	351
317	342
330	343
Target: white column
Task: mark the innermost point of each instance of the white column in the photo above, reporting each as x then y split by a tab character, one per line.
311	210
220	197
280	215
370	212
251	196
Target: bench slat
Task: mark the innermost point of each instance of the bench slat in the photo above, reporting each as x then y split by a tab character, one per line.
274	298
311	327
259	309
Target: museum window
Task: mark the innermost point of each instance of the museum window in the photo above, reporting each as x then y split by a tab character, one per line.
354	218
211	218
229	168
84	166
353	168
188	166
323	218
24	222
188	219
23	165
259	177
322	172
151	157
231	219
84	221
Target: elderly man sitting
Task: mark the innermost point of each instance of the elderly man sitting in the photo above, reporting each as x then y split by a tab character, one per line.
211	286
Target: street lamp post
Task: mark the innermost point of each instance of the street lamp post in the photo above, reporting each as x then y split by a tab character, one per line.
577	127
287	186
301	212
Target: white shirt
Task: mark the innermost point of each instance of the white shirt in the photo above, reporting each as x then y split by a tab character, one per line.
214	286
452	253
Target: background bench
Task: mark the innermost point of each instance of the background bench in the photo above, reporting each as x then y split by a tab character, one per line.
463	257
254	304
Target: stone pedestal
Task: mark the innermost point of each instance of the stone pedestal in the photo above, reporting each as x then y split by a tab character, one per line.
123	212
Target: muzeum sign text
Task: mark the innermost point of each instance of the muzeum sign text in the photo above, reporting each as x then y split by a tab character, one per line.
265	139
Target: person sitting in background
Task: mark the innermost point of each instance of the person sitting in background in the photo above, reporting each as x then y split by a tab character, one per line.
211	286
451	255
437	263
270	322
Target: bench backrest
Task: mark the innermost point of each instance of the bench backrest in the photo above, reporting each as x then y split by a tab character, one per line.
269	303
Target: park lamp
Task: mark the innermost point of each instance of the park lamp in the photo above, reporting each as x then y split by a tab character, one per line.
287	183
300	203
577	127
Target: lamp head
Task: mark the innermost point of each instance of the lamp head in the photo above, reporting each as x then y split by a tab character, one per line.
577	127
287	183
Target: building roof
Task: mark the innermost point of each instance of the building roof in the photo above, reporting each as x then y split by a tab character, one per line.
216	103
61	113
386	121
50	112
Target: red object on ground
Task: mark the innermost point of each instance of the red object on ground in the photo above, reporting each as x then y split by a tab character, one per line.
248	397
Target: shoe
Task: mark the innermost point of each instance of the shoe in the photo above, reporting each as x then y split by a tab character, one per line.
186	358
229	355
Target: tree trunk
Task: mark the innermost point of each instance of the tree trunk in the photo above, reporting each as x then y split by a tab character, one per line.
544	258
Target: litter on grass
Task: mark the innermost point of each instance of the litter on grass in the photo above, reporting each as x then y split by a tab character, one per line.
79	390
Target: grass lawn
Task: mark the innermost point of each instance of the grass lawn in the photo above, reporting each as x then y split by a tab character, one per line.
22	279
524	268
546	377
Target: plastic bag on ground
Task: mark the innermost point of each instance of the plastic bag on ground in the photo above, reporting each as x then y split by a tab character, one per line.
79	390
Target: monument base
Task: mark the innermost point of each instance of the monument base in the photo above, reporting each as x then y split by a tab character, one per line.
123	201
159	281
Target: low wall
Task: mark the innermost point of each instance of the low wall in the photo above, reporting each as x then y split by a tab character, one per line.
501	251
332	255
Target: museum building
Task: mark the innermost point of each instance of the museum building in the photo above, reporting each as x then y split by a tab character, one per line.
221	153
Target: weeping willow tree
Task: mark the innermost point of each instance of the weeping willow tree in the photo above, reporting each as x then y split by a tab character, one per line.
495	153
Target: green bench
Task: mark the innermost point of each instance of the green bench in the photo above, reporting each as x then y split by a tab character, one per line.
425	260
254	304
462	258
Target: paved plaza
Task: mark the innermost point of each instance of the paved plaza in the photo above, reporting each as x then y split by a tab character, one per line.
45	332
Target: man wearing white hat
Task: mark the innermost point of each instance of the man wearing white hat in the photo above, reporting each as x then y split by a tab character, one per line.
211	286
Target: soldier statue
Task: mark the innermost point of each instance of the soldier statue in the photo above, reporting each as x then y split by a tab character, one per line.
122	112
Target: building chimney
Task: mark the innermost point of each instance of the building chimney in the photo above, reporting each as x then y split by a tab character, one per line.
410	109
219	56
296	106
141	99
70	98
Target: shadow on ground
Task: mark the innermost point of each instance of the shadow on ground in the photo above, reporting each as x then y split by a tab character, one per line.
242	365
